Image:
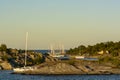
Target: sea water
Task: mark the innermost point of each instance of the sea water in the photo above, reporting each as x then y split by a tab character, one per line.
6	75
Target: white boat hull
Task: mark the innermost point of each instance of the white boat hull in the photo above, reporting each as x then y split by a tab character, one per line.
79	57
23	69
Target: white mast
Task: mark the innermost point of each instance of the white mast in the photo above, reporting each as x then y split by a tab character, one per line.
51	49
59	48
62	49
26	48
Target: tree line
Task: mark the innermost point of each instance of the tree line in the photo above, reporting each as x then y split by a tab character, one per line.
110	47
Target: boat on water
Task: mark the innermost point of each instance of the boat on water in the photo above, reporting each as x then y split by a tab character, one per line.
25	68
79	57
22	69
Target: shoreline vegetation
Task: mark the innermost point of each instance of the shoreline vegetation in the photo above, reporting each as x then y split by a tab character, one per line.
107	53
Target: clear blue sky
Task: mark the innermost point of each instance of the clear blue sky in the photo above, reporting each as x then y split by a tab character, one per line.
71	22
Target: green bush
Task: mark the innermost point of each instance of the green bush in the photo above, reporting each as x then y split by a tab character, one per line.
112	60
4	57
71	62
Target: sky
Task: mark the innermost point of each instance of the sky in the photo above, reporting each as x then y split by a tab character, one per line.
68	22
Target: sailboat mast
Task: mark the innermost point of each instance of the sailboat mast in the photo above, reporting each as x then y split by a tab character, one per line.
26	48
63	51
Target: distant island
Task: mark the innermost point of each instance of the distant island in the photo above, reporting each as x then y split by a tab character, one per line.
79	60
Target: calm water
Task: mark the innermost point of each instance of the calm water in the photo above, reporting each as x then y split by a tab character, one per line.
43	51
5	75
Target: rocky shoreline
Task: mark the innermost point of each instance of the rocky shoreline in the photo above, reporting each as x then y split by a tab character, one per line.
78	68
5	65
108	62
53	66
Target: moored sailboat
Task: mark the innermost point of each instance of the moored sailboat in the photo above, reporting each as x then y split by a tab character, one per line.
25	68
